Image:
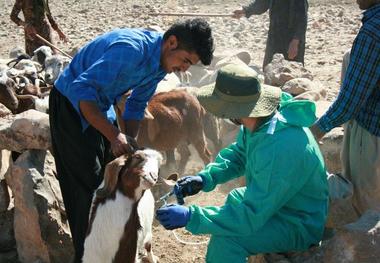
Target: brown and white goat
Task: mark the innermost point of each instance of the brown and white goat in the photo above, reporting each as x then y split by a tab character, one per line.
120	224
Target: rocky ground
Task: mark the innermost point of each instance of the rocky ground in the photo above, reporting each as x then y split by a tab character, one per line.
332	27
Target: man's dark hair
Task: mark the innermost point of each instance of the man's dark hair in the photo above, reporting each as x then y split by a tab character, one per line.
194	35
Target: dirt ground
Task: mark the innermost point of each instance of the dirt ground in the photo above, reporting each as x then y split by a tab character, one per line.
332	26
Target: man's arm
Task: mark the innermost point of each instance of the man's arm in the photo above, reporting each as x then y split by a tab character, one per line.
88	90
54	25
91	112
229	164
298	20
15	12
135	107
30	31
257	7
362	77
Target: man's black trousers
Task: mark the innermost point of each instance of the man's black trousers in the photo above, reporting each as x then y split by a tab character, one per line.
80	158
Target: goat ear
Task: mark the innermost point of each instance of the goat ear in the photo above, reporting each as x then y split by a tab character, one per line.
148	115
111	175
171	180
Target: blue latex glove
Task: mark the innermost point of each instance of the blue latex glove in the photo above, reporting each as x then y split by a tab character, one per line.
173	216
187	185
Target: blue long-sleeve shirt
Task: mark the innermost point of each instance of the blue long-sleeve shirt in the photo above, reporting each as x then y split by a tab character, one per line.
110	65
359	96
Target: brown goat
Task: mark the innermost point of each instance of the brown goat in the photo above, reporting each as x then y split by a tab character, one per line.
178	122
7	93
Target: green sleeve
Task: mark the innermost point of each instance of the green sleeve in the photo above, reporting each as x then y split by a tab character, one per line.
283	171
228	164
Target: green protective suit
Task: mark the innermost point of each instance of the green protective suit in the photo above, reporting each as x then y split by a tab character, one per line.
285	202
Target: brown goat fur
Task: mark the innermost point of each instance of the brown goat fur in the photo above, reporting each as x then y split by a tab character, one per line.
7	94
178	121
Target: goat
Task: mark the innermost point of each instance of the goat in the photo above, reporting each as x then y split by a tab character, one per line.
16	52
31	97
18	99
7	92
40	54
178	121
54	66
120	222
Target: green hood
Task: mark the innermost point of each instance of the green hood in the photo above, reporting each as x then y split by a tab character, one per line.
299	113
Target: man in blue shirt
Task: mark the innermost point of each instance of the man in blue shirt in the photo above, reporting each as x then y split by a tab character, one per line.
357	106
83	135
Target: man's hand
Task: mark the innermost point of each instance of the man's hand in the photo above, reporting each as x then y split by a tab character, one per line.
173	216
186	186
62	36
317	132
120	143
123	144
293	48
238	14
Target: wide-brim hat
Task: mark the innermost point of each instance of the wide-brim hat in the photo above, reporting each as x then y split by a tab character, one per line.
237	93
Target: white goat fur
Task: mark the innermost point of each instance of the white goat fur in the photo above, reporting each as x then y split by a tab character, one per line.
47	51
54	65
111	217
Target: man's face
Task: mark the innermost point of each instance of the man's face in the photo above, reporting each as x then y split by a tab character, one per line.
365	4
173	59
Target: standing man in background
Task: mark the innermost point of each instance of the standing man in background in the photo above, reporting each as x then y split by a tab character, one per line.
287	27
357	107
37	20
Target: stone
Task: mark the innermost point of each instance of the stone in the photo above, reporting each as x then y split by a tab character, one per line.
4	111
27	130
280	71
40	224
355	242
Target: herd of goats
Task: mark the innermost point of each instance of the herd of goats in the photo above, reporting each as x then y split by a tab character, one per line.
25	81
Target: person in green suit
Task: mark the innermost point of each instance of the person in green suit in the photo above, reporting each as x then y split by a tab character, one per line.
284	205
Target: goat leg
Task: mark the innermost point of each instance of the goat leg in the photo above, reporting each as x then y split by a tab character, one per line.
150	257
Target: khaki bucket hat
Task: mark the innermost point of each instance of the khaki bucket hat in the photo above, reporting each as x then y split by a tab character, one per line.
237	93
